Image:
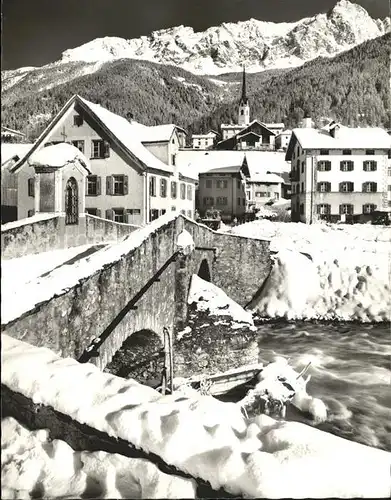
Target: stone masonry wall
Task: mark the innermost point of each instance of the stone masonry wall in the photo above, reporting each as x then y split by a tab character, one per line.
36	236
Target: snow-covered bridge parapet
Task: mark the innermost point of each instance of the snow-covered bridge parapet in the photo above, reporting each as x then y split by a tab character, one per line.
197	436
69	308
48	231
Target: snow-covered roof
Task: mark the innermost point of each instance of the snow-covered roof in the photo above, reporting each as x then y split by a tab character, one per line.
17	151
285	132
58	156
275	125
158	133
194	162
211	133
349	138
250	132
232	169
264	177
229	126
260	162
123	130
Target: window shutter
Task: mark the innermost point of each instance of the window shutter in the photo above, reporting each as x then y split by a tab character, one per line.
126	184
351	186
98	186
106	149
109	214
109	184
128	213
86	186
98	212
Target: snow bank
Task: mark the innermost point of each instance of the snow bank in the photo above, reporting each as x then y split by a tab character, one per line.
345	270
30	220
202	436
63	278
211	299
31	461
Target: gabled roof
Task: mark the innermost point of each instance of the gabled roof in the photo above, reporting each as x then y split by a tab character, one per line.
13	151
233	169
266	178
242	136
116	127
347	138
251	124
158	133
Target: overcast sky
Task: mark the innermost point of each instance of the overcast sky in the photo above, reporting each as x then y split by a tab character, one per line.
36	32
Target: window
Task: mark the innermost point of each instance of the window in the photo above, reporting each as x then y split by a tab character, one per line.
93	211
163	188
323	209
302	167
78	121
369	151
172	159
346	209
346	151
302	187
162	211
368	208
248	194
346	166
208	201
153	214
222	200
208	184
93	185
239	184
346	187
302	209
242	112
79	145
369	187
238	202
173	208
152	186
389	171
324	187
119	185
173	189
389	154
133	211
324	152
189	193
31	186
297	165
388	188
183	190
30	213
71	202
222	184
261	194
183	212
324	166
100	149
370	166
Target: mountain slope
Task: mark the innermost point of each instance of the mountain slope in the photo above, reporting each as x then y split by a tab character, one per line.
353	87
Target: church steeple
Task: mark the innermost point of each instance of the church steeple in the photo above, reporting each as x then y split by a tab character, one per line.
244	107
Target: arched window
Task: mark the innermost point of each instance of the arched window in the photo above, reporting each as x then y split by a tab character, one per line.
71	202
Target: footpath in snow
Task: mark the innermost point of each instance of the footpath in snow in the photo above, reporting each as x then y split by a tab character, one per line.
322	271
256	457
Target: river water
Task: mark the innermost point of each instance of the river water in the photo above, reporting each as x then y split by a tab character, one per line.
350	371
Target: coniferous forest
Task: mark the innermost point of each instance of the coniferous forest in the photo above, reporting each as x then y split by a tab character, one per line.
353	87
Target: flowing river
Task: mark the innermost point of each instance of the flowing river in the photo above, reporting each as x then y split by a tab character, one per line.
350	371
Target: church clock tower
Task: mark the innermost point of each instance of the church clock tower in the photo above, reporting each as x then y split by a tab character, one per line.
244	107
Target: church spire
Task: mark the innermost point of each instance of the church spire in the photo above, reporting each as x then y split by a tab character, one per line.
244	99
244	107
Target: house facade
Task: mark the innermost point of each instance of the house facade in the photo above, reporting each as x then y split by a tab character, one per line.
262	188
129	181
225	190
282	140
204	141
338	172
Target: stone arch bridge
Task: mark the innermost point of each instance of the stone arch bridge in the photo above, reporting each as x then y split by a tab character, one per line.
145	288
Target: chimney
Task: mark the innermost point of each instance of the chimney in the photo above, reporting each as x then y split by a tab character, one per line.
306	122
335	131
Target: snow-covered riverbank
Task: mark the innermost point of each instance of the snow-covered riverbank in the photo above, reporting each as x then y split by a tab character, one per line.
344	274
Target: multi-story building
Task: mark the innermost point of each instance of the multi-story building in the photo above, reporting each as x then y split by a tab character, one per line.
204	141
225	190
262	188
133	178
282	140
338	172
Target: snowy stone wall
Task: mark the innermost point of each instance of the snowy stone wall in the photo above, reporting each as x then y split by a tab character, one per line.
45	232
37	234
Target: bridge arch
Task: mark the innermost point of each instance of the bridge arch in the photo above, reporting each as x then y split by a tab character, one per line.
204	270
140	357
